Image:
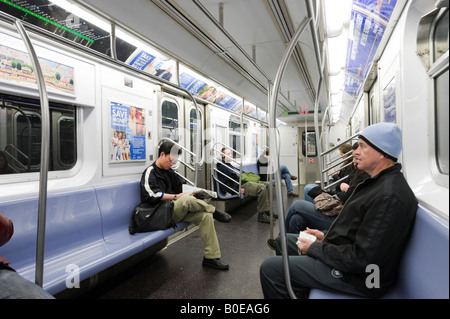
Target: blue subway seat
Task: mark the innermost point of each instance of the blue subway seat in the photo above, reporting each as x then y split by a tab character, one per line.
86	229
116	203
423	272
73	236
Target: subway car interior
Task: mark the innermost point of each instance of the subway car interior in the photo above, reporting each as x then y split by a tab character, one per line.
91	89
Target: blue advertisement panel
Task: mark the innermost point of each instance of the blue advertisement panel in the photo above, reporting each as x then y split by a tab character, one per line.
228	102
186	80
211	93
237	108
157	66
127	133
370	18
142	60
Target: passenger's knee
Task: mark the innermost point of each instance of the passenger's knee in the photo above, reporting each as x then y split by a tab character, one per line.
208	217
270	267
205	219
299	204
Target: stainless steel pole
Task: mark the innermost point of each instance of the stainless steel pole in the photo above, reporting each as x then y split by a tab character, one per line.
273	143
45	154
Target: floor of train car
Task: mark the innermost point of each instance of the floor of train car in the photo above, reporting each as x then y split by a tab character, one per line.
177	272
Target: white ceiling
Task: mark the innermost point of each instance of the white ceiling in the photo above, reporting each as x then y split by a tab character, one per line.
259	27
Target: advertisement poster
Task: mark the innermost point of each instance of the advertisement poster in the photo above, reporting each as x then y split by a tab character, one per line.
127	133
162	68
210	93
16	66
370	18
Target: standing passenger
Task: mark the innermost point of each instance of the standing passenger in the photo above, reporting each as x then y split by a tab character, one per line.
371	230
159	182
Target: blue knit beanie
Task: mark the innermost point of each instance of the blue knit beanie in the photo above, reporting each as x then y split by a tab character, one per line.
385	137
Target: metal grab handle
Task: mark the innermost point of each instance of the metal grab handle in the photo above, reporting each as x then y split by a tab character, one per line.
213	150
45	154
273	146
194	169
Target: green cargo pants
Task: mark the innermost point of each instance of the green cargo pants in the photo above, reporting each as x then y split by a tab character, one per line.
197	211
261	191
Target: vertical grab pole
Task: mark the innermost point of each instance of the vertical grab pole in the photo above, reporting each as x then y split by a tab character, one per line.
273	143
269	173
45	141
310	13
198	139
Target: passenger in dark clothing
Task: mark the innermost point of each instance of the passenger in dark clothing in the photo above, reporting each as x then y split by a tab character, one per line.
227	175
371	230
159	182
303	213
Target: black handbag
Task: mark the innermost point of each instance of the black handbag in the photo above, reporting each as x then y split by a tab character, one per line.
146	218
315	191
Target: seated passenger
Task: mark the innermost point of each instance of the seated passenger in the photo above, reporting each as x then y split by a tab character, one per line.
372	229
12	285
228	176
350	172
303	213
343	185
263	163
159	182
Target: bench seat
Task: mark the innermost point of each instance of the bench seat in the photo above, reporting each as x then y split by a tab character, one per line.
86	233
424	268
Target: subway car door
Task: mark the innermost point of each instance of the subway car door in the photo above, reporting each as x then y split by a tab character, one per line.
172	124
308	157
192	124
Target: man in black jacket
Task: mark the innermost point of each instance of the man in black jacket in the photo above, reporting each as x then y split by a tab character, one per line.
159	182
361	251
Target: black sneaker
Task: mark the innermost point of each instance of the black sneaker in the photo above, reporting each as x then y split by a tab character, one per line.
271	243
275	215
215	263
263	217
221	216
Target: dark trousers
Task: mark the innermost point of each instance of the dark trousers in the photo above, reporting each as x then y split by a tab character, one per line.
305	273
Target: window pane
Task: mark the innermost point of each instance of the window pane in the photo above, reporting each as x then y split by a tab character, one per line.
27	139
169	120
67	150
20	135
193	123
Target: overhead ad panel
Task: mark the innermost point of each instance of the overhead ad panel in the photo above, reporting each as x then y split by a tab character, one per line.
370	18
